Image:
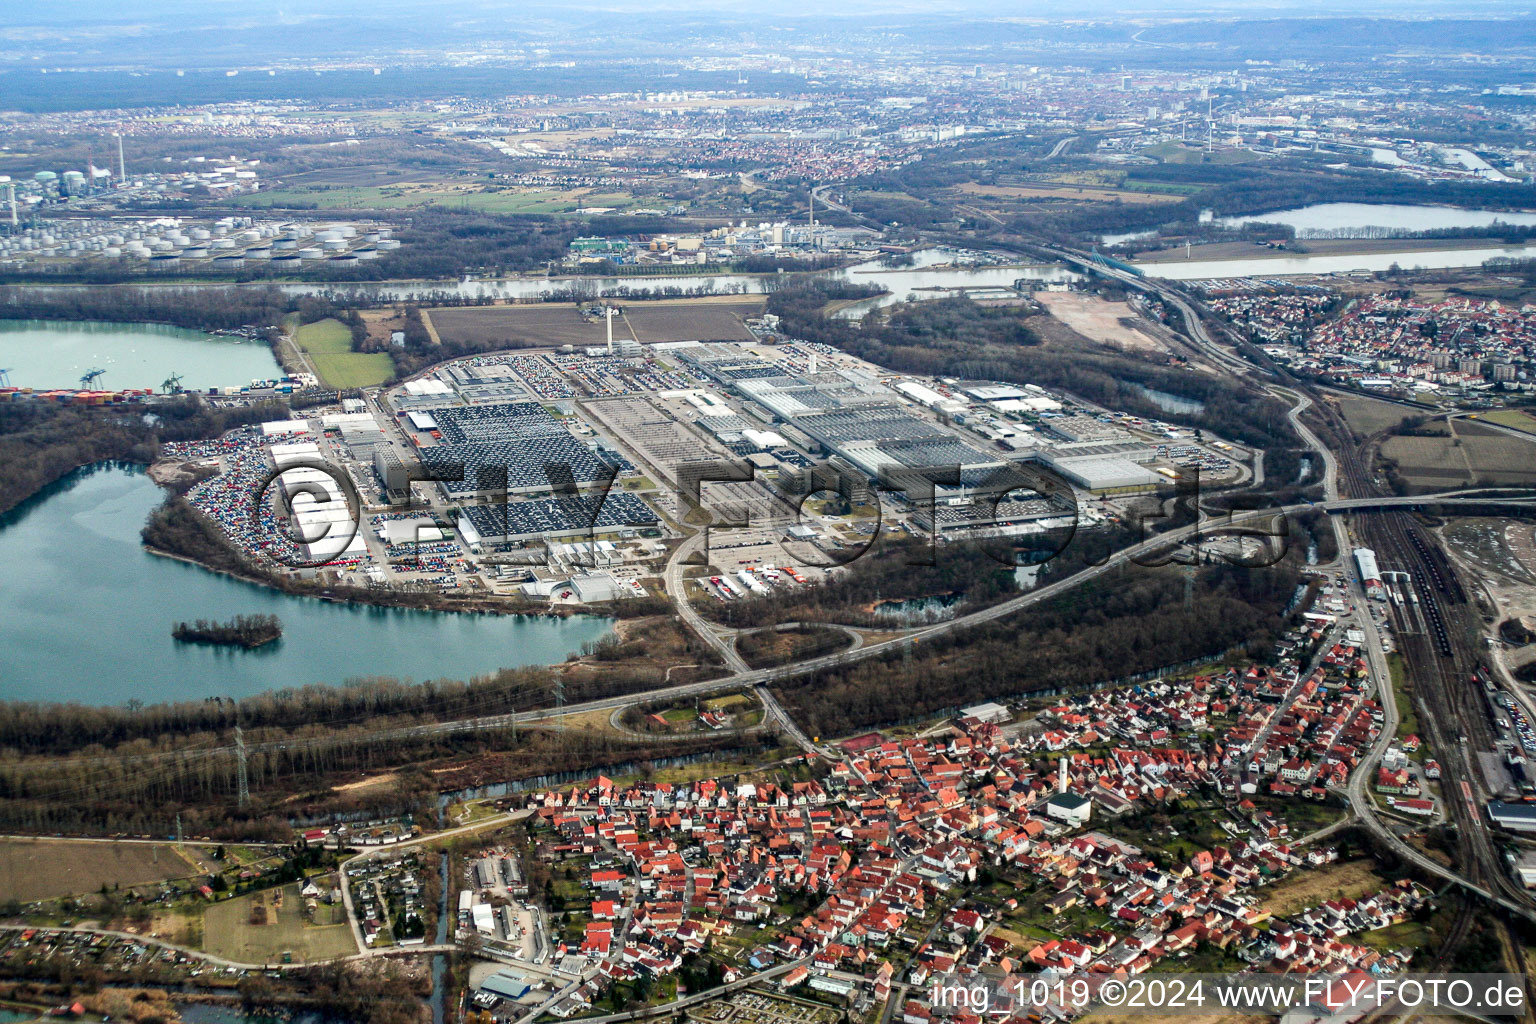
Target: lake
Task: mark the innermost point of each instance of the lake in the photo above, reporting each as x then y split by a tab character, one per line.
1170	402
1365	220
1281	266
53	354
86	615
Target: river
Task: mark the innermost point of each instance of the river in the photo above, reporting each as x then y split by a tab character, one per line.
53	354
930	275
86	615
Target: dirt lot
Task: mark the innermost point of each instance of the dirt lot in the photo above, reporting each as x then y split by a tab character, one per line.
1101	321
552	324
1303	889
37	869
1489	544
228	931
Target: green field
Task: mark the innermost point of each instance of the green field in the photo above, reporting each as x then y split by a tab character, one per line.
228	931
405	197
1516	419
1179	153
328	343
1162	187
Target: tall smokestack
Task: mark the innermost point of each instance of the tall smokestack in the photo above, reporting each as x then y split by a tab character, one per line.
10	189
813	210
608	316
1061	776
813	364
122	168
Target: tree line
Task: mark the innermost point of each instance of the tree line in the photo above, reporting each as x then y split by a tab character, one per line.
1129	620
41	442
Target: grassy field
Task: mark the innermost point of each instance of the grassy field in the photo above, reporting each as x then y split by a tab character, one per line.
328	343
228	931
1367	415
1477	455
1045	190
1303	889
1428	463
1178	153
1496	457
39	869
1516	419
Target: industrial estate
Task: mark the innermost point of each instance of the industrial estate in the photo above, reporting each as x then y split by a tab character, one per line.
700	516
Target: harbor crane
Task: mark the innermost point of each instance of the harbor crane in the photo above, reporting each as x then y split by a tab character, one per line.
5	378
172	385
91	376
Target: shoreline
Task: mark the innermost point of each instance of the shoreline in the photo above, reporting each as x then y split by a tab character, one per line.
1220	252
488	608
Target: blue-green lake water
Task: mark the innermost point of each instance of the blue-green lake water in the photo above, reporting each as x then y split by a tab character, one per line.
86	615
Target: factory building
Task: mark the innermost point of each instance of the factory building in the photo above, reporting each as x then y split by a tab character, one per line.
393	478
1104	474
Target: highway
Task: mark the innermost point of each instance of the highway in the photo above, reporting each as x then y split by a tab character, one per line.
1152	550
1439	678
676	586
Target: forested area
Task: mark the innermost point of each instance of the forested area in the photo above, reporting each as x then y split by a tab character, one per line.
1129	620
142	788
247	631
41	443
766	648
194	308
450	243
29	729
955	337
894	570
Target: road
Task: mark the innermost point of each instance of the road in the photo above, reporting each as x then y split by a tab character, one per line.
1393	537
743	678
492	822
1060	147
676	586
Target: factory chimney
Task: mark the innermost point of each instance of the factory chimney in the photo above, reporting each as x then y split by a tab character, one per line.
608	316
813	210
813	365
122	169
10	188
1062	778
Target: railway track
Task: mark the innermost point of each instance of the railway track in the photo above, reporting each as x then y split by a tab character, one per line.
1440	667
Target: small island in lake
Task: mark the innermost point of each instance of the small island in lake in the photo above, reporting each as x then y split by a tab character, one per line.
247	631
